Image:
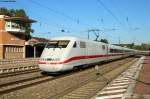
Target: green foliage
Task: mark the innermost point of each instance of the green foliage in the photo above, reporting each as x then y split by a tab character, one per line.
142	47
137	47
130	45
13	12
104	41
21	13
18	13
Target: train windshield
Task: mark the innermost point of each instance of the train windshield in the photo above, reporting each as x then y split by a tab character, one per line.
57	44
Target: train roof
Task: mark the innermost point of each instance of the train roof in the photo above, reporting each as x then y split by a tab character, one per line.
65	38
75	38
82	39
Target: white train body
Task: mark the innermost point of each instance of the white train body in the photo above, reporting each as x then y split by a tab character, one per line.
65	53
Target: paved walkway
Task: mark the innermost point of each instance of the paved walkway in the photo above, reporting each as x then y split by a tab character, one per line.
134	83
142	88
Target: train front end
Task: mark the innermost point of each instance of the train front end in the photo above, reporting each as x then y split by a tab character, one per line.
52	58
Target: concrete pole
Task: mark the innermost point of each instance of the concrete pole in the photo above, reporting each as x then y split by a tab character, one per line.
88	35
97	70
24	51
34	51
2	52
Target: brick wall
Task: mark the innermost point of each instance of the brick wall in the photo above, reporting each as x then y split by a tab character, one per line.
14	41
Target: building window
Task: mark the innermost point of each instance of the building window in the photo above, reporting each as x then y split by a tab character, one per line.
17	49
21	50
6	49
12	50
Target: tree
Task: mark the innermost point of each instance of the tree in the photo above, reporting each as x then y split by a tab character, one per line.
104	41
21	13
4	11
12	12
18	13
131	45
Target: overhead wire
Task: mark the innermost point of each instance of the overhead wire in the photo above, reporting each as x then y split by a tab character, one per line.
55	25
54	11
108	10
111	13
126	28
60	13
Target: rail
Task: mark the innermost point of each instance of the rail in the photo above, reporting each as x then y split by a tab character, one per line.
69	81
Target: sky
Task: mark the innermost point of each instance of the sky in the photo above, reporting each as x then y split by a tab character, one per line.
127	21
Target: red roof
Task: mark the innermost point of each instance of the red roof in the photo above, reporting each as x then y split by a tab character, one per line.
38	39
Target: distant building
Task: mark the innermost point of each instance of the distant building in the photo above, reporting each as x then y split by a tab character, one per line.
12	37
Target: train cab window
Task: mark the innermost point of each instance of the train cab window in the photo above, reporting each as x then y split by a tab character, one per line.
82	44
74	45
57	44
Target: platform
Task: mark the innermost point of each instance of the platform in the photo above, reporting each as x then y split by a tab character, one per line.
10	65
142	88
134	83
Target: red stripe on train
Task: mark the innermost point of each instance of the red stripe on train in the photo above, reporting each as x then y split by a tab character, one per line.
78	58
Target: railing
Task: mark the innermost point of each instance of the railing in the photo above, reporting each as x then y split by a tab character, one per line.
15	29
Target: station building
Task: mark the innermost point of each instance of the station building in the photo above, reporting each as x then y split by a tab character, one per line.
12	37
34	47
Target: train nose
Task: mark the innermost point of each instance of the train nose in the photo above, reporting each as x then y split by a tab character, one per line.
50	68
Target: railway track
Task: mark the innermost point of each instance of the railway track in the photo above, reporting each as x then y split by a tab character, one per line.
12	86
7	87
85	90
3	75
88	75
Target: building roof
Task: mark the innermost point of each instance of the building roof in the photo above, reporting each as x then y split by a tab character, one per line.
39	39
36	40
20	19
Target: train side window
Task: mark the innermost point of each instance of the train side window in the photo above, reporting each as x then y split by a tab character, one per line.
82	44
103	47
111	50
74	45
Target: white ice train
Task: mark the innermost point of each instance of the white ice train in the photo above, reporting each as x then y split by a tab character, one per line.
67	53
